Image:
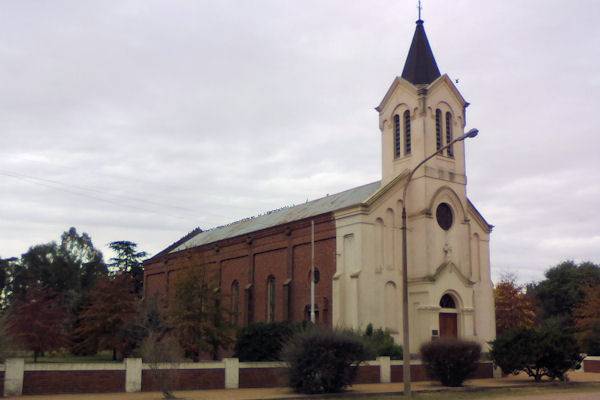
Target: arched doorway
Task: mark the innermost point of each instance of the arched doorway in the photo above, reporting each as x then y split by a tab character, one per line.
448	317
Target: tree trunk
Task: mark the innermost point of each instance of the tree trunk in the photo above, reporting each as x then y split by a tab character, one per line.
35	356
114	357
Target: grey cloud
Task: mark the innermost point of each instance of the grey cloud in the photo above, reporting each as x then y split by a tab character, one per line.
215	111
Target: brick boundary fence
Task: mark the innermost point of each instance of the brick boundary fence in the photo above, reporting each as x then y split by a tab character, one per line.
18	377
591	364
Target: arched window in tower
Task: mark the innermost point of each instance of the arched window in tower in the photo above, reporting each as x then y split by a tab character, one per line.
396	136
407	143
235	301
438	129
449	134
271	299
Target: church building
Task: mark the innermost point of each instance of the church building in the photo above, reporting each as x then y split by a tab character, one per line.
262	264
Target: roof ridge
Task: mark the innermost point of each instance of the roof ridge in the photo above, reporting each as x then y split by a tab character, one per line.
282	208
193	234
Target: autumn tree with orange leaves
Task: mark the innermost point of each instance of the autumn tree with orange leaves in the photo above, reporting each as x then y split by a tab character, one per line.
587	320
514	309
109	320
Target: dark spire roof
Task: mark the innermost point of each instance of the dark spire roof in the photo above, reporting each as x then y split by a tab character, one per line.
420	66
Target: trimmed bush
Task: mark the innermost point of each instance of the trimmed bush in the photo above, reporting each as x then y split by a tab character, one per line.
324	361
381	343
451	361
263	341
549	350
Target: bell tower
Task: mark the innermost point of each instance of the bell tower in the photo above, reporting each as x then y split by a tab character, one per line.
421	112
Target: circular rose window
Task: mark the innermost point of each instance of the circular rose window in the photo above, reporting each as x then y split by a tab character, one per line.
444	216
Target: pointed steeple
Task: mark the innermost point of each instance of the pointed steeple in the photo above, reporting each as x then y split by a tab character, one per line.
420	66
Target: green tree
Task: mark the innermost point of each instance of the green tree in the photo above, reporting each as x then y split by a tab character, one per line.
129	260
564	288
69	268
6	267
196	315
548	350
79	252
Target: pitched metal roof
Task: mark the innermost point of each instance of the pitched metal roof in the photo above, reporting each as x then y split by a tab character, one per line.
420	66
285	215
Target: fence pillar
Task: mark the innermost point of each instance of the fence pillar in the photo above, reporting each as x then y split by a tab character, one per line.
385	369
232	373
497	372
133	374
14	371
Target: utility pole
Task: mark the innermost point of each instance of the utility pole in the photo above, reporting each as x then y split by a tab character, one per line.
312	271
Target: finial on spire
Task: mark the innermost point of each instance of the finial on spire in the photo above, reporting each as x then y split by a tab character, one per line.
419	8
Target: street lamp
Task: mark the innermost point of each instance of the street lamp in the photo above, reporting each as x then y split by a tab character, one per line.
405	339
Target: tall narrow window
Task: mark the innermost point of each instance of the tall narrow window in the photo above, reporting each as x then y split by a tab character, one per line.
396	136
407	143
449	134
235	301
438	129
271	299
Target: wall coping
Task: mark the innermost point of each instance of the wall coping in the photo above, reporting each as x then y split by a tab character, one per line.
592	358
400	362
185	365
264	364
75	367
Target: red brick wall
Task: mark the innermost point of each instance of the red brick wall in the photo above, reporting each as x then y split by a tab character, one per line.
484	371
282	251
49	382
591	365
185	379
269	263
231	270
263	377
418	372
367	374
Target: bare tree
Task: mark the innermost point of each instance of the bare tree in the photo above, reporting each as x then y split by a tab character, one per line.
163	354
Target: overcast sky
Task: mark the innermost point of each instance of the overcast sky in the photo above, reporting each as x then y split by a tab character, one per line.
140	120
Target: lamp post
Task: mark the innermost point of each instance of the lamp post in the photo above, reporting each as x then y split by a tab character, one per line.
405	331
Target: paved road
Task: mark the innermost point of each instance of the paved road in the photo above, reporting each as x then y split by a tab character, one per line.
555	396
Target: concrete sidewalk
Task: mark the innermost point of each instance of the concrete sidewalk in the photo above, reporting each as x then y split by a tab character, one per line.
286	393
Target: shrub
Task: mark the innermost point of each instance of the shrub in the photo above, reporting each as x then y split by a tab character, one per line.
451	361
381	343
548	351
263	341
323	361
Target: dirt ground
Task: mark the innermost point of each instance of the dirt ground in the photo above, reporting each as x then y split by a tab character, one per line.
584	386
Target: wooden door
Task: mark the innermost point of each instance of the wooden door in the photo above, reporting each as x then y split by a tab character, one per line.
448	325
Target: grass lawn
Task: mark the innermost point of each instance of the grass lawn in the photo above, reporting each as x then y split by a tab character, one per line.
547	391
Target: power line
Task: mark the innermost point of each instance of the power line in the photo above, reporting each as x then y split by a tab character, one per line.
90	189
39	182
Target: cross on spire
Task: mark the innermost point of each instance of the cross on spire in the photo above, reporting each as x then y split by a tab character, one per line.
419	8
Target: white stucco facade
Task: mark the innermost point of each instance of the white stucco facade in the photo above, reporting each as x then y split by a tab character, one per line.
367	284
